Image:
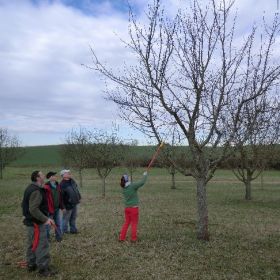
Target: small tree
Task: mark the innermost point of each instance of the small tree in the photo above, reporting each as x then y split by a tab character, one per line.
168	159
131	161
9	149
106	152
254	154
75	151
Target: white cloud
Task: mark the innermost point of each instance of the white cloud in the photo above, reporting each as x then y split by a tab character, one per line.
42	80
43	87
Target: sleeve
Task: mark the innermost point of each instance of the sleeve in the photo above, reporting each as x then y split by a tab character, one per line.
34	203
64	195
140	183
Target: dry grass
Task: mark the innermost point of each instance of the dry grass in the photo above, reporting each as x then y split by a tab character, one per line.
245	239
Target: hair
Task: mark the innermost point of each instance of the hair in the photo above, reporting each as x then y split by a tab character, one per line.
122	183
35	175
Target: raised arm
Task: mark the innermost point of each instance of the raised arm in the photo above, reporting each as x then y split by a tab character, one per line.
140	183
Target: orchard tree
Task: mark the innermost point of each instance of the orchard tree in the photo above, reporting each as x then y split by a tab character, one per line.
254	154
75	151
10	149
106	152
193	73
131	161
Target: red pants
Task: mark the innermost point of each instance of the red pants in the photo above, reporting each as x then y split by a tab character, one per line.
131	217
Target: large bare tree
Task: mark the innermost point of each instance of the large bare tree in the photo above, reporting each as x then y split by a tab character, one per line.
193	72
9	149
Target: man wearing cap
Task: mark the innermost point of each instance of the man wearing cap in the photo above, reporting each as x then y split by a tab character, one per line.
35	212
71	198
55	203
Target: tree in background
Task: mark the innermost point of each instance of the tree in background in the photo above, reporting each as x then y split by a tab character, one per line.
131	160
10	149
106	152
168	159
75	151
253	155
193	73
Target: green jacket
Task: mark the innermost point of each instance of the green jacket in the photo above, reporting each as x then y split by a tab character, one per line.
130	192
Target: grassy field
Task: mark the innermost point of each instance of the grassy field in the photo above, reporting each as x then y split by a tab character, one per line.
245	237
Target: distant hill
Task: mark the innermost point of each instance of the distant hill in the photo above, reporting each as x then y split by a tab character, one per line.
50	156
39	155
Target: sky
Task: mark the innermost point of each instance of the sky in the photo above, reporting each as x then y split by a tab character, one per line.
44	89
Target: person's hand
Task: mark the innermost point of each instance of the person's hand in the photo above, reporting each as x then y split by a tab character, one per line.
50	222
145	173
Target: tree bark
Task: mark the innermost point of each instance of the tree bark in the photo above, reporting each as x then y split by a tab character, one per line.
1	169
81	178
131	175
248	195
262	183
173	186
103	186
202	226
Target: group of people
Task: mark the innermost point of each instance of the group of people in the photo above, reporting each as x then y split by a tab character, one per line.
43	203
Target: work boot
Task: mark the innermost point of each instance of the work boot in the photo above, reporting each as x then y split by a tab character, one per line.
59	239
47	272
31	267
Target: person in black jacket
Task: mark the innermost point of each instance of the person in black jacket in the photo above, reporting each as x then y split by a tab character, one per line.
35	212
71	198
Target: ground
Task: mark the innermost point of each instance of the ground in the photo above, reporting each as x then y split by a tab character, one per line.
245	237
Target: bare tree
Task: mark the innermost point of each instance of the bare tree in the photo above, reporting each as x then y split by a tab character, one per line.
169	159
75	151
131	161
9	149
254	154
192	74
106	152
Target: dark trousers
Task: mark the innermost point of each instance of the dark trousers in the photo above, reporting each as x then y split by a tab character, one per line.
57	219
69	218
37	253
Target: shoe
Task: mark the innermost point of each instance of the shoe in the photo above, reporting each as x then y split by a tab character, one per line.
74	232
59	239
47	272
31	267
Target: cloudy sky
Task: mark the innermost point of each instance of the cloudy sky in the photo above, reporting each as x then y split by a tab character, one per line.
44	90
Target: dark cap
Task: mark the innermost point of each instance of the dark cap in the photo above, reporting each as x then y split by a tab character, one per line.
50	174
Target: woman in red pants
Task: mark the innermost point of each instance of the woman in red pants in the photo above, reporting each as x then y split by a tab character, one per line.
131	202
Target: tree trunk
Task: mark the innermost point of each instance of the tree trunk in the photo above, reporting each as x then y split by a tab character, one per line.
1	169
262	186
173	186
103	186
248	195
202	226
81	178
131	174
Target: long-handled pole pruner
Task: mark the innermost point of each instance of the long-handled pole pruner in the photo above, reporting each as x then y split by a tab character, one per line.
154	156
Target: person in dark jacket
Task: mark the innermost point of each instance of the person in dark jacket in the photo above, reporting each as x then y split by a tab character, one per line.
55	203
35	212
71	198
